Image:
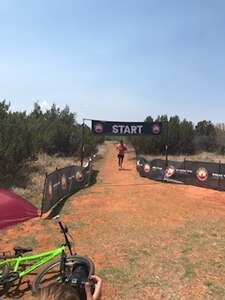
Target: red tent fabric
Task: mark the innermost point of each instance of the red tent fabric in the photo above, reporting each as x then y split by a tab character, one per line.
15	209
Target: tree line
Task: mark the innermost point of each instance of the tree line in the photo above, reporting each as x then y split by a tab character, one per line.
24	136
56	132
181	138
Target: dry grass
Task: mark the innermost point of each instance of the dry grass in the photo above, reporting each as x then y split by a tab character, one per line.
204	156
36	172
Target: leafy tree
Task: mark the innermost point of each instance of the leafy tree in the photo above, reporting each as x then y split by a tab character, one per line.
57	132
177	138
186	138
151	144
37	126
54	130
16	147
220	138
162	140
173	135
90	141
205	136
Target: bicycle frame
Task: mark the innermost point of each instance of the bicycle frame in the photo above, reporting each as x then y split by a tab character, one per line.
16	262
18	266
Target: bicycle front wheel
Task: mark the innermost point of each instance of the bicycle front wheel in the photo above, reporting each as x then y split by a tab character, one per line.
51	273
4	271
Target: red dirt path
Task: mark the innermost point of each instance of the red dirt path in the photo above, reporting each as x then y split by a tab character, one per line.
131	225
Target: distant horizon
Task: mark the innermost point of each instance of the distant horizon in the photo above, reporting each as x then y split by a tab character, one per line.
44	109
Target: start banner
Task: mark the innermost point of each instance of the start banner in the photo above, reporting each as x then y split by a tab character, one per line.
126	128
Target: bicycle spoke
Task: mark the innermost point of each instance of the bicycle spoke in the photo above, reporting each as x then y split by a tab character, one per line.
52	273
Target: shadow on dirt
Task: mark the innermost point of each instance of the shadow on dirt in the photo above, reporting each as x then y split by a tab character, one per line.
54	214
93	178
15	291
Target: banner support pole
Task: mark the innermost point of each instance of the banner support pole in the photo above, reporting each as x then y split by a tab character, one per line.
167	144
219	175
82	147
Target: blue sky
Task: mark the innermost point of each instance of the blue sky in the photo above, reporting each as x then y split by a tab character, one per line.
120	60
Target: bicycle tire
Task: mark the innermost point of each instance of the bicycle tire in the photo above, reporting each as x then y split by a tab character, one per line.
48	275
4	271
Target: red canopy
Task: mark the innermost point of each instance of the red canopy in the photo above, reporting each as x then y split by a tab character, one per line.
15	209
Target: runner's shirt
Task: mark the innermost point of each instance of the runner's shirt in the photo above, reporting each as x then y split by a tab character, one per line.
121	148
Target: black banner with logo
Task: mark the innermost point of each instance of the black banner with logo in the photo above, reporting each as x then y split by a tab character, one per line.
64	182
126	128
204	174
152	170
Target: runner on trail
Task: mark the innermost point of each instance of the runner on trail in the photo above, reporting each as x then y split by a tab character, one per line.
121	148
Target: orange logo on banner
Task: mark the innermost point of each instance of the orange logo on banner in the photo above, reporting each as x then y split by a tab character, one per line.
63	182
78	176
147	168
50	189
202	174
156	128
170	171
98	128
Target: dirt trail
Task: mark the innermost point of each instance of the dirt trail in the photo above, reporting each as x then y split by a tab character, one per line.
136	231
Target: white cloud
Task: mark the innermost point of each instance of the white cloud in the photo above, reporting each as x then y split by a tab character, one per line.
44	105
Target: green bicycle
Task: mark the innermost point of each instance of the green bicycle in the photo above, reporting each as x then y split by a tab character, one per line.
15	267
